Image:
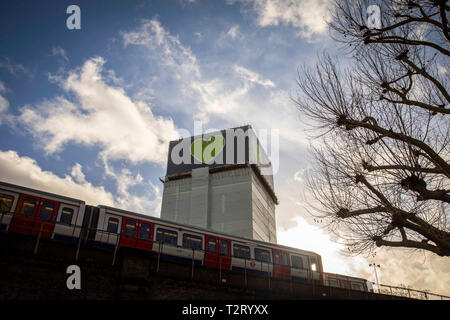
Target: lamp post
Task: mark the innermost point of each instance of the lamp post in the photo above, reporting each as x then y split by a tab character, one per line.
376	276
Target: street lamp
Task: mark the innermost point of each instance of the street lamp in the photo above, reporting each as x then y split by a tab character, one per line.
376	276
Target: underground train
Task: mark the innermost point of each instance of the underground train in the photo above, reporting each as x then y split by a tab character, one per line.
28	211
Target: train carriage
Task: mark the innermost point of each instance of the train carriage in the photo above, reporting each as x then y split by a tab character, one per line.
34	212
251	257
346	282
181	243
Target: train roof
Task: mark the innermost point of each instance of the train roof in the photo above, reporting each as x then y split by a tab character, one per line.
225	235
48	194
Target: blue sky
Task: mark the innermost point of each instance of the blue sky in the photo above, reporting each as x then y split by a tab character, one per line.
89	113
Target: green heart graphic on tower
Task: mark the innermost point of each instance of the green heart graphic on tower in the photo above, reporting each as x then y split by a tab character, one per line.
205	151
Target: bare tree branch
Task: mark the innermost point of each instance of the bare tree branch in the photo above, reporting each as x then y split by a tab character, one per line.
381	175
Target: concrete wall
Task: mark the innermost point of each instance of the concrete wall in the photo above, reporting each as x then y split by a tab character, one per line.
263	213
233	202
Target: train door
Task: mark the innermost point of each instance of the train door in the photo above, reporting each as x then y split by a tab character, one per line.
129	232
281	268
212	251
45	218
32	213
8	203
217	252
225	254
145	235
23	220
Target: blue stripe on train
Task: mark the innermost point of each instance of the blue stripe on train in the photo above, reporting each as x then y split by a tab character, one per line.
305	280
3	226
165	257
103	245
250	271
64	238
169	257
301	279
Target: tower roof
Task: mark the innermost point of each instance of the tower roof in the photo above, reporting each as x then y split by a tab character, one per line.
221	150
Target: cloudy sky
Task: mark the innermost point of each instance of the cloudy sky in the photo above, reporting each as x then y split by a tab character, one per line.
89	113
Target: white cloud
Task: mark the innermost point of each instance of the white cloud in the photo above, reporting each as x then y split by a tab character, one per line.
209	97
26	172
442	69
149	203
310	17
312	238
14	69
58	51
224	38
237	106
166	48
253	77
77	173
198	35
220	96
215	97
299	175
2	87
100	115
234	32
4	104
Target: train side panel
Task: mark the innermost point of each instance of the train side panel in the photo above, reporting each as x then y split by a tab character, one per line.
108	229
8	204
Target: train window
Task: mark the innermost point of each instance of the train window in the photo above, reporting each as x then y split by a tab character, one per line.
284	259
130	228
192	241
333	283
280	258
28	207
224	247
47	211
357	286
6	202
313	264
345	284
262	255
145	231
212	245
297	262
240	251
276	256
167	236
113	224
66	215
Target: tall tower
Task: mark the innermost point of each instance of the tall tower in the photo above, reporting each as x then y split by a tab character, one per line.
222	181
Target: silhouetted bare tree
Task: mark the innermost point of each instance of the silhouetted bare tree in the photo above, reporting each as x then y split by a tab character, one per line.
382	172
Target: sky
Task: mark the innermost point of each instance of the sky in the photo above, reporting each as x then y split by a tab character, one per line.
89	112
